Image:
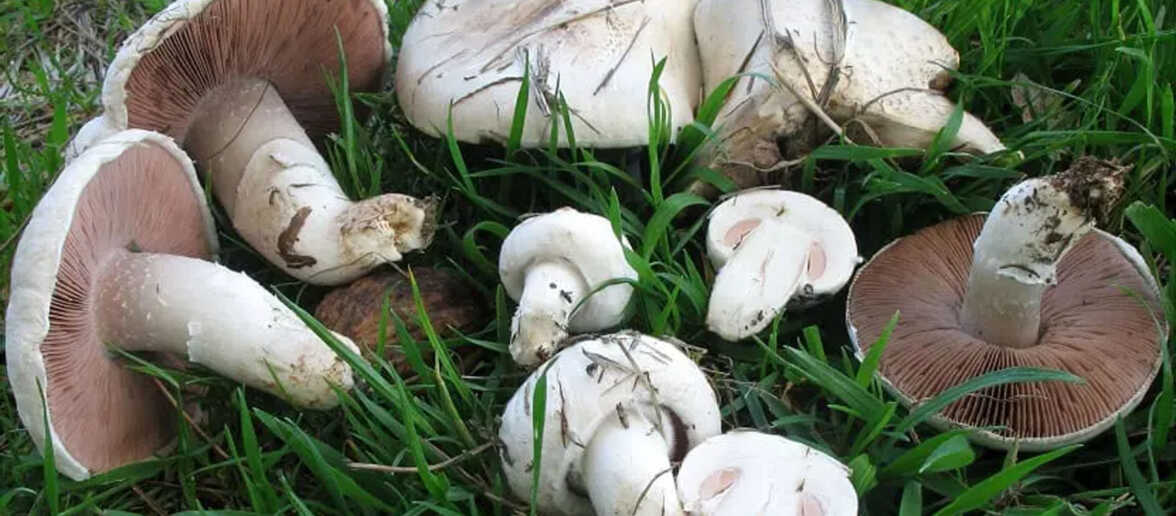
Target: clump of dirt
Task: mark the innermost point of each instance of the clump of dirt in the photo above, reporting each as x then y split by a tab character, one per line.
1093	185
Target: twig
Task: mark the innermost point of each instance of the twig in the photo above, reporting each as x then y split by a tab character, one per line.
184	414
149	501
412	469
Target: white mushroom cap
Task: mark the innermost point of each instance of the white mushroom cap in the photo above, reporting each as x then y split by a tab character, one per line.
470	56
90	133
891	70
565	255
743	472
649	379
774	248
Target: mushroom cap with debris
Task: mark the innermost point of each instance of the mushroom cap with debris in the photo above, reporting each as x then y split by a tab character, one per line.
468	58
586	383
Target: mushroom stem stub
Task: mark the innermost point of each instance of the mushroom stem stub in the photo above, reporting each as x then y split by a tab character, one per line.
551	292
627	468
1016	255
283	197
217	318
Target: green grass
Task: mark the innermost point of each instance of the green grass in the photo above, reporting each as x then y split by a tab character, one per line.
1110	65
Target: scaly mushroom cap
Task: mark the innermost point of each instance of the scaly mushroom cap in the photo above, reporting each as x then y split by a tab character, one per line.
133	190
585	241
162	72
1101	322
471	55
831	258
745	472
586	383
891	68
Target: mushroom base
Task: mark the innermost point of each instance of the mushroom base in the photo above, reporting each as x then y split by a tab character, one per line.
551	293
283	197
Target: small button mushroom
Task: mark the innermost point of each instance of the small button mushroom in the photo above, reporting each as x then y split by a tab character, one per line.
467	59
860	62
243	86
745	472
620	409
549	264
774	249
1034	284
116	254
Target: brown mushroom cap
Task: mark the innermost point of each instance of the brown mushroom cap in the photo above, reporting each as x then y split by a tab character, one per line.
354	310
1101	322
161	74
130	194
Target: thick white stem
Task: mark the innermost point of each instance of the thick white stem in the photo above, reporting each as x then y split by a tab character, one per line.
283	197
220	319
552	290
626	469
759	278
1016	255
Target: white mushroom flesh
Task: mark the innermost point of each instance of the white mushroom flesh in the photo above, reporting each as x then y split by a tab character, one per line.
742	473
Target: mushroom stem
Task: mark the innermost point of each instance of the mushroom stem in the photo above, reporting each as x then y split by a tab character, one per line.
552	290
1026	234
759	278
627	468
283	197
220	319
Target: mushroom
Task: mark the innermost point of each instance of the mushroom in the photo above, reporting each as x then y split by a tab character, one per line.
470	57
235	81
116	253
860	61
774	249
1032	284
746	472
356	309
553	264
619	410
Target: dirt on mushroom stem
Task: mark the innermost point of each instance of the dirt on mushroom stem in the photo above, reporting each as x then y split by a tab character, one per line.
1029	230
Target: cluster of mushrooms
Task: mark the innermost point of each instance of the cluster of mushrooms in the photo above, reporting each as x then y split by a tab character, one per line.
121	251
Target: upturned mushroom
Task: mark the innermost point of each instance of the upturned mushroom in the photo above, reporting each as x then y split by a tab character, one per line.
553	264
774	249
860	61
469	57
620	409
746	472
236	82
1032	284
117	253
